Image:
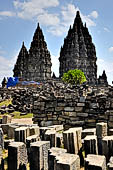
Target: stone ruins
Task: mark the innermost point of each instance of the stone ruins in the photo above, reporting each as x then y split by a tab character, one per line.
72	125
78	52
36	64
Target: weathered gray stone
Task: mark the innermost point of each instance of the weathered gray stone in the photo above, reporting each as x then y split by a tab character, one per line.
90	145
72	140
95	162
90	131
17	155
6	119
50	135
67	161
21	134
101	129
107	147
110	164
53	152
1	139
39	155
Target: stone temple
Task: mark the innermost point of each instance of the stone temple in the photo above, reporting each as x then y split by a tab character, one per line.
36	64
78	51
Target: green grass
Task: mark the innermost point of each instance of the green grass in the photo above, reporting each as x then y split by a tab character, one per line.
18	116
6	102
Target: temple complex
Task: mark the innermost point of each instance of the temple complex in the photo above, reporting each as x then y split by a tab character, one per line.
78	51
36	64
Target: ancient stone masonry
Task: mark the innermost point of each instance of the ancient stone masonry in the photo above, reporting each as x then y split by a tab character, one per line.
36	64
78	51
103	79
20	68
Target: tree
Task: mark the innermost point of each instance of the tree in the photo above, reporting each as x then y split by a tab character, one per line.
74	77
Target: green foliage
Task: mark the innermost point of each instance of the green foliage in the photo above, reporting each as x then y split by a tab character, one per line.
74	77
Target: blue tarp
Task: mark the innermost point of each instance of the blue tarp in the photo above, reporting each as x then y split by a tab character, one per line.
12	81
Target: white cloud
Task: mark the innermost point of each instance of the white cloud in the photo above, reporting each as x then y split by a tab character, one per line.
94	14
106	29
7	13
68	14
48	19
40	10
111	49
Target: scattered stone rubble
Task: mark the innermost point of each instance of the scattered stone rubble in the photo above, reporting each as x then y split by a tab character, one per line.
56	103
34	145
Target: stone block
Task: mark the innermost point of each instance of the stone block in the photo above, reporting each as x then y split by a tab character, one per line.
110	133
11	131
1	139
107	147
82	114
34	130
57	128
72	140
6	119
67	161
90	145
53	152
80	104
50	135
21	134
78	109
110	164
39	155
101	130
95	162
17	155
87	132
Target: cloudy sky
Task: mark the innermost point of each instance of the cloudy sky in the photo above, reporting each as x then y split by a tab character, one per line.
19	18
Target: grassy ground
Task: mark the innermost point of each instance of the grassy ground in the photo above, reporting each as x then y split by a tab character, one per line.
6	102
16	114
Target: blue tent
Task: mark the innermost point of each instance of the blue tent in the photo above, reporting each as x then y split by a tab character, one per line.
12	81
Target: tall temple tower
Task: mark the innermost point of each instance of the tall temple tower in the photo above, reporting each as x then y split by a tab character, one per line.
78	51
20	68
36	64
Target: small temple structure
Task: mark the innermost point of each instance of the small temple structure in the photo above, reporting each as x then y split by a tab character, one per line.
34	65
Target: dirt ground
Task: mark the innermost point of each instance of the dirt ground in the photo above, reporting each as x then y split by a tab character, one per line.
23	121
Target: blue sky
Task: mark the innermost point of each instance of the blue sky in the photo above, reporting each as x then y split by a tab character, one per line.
19	18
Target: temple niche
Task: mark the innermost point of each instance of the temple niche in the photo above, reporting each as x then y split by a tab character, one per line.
78	51
36	64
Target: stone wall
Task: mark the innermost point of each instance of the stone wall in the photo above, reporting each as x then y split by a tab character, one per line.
56	103
73	106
